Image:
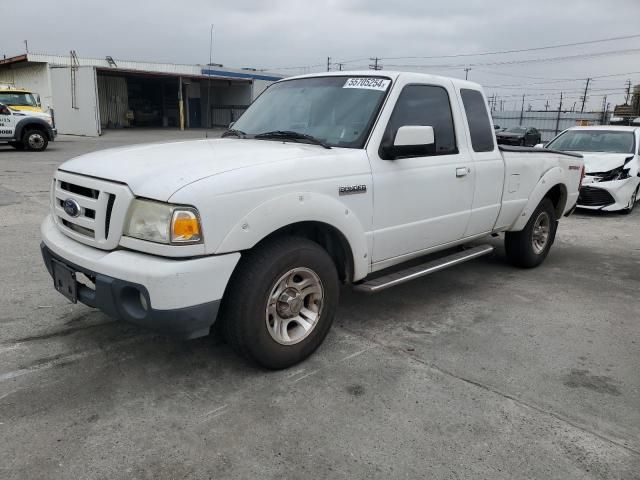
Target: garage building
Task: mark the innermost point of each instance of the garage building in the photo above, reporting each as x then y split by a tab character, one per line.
88	95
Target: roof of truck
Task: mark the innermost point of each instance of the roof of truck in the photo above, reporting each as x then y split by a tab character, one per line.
393	75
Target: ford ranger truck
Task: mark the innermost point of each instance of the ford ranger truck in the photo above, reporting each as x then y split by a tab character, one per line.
326	179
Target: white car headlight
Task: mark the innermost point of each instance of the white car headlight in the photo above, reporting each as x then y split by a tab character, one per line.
163	223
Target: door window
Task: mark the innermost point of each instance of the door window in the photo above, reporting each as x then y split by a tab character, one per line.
478	120
424	105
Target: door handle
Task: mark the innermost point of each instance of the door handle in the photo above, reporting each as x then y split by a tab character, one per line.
462	171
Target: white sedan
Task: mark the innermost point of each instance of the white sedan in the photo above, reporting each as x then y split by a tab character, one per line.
612	165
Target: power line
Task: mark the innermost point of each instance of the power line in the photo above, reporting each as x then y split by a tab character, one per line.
520	50
531	60
581	79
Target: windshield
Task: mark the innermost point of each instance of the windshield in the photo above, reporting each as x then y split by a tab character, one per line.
594	141
336	110
18	99
516	130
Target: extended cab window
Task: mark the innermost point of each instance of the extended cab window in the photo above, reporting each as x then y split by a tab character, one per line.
478	119
425	105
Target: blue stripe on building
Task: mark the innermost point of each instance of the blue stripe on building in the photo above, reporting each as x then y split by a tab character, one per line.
254	76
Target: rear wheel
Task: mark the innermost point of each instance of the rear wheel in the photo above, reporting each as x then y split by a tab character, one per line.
632	201
35	140
529	247
280	302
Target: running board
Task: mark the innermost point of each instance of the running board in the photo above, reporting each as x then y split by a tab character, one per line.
403	276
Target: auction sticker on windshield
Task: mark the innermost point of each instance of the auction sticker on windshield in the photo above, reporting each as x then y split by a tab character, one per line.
368	83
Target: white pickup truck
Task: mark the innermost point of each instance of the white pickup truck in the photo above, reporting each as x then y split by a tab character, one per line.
326	179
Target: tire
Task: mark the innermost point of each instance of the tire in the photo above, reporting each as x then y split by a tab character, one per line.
529	247
256	302
17	145
35	140
632	202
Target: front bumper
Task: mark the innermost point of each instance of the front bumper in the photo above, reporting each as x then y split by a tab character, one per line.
607	196
179	297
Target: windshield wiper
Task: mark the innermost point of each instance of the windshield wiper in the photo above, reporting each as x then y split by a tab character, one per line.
231	132
284	134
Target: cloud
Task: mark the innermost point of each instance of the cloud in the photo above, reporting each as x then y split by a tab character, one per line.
282	33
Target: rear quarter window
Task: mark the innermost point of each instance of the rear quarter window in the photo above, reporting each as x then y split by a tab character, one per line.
478	120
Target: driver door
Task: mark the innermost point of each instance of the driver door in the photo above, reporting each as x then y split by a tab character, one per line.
421	201
7	123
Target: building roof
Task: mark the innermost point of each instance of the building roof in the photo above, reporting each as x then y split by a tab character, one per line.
103	64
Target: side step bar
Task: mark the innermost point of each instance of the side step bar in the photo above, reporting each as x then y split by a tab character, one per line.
403	276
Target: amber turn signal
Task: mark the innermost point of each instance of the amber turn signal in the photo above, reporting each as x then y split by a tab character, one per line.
185	227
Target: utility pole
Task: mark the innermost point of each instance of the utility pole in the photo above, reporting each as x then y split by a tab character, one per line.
604	111
584	97
559	112
375	65
466	73
522	110
340	65
546	106
328	64
626	98
26	46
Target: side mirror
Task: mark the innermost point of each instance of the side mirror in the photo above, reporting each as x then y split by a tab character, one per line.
411	141
540	145
38	100
232	124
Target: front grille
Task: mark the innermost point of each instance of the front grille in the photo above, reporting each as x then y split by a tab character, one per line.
80	190
107	220
102	207
595	197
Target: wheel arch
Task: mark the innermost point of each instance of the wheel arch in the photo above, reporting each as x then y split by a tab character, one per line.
551	185
328	237
318	217
32	123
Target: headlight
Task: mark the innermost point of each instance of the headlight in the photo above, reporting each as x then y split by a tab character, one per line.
615	174
163	223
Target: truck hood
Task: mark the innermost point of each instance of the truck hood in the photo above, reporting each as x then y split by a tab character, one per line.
597	162
158	170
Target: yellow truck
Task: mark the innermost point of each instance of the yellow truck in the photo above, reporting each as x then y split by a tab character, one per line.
19	99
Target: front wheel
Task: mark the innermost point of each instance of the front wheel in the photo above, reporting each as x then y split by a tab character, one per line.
280	302
35	140
529	247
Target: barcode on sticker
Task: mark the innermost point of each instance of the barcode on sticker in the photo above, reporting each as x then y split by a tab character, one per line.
368	83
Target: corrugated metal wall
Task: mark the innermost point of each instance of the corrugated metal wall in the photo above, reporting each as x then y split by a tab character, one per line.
549	123
113	99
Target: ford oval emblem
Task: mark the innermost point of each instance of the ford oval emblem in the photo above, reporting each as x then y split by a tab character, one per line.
71	207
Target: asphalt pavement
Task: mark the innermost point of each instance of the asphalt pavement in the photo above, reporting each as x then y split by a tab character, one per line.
479	371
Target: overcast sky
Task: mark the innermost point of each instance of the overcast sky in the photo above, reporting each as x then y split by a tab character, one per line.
276	34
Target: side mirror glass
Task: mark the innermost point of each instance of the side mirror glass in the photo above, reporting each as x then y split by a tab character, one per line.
38	100
411	141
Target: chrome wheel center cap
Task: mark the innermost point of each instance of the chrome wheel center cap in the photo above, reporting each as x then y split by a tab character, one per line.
289	303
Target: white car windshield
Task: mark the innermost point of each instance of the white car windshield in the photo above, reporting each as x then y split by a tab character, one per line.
337	110
609	141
